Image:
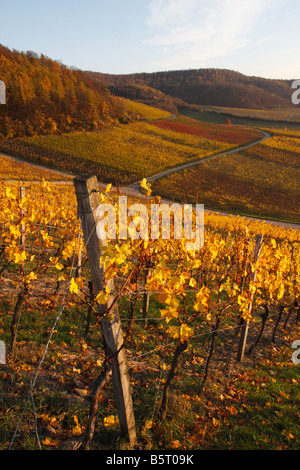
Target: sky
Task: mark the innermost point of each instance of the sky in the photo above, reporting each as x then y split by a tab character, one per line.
254	37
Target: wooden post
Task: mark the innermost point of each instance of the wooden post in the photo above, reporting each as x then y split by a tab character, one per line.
245	324
146	299
87	193
22	227
78	271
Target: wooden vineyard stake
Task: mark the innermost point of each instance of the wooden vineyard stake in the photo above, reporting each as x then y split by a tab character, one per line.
22	227
146	299
245	324
88	199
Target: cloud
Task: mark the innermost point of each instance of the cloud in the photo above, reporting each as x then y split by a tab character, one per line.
194	32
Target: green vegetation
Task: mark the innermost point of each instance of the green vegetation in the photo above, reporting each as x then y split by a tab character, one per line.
242	117
255	408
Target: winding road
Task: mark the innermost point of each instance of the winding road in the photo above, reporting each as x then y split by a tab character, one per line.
205	159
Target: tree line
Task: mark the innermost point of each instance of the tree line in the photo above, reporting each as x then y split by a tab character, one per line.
43	96
215	87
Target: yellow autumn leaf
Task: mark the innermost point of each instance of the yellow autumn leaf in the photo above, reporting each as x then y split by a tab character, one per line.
162	297
19	257
169	313
185	332
14	230
215	422
50	442
30	277
73	286
175	444
76	430
110	421
172	301
103	296
146	186
144	183
173	332
148	424
9	194
200	305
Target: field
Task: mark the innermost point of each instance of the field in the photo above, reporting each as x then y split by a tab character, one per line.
131	151
262	181
142	111
126	153
291	114
275	118
21	170
230	134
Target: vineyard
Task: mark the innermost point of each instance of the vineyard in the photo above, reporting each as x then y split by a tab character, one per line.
290	115
275	119
115	334
230	134
182	313
128	152
261	181
14	169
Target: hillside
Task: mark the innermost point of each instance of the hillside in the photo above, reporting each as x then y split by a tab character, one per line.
44	97
215	87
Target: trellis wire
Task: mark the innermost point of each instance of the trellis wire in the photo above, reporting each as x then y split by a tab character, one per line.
36	371
138	356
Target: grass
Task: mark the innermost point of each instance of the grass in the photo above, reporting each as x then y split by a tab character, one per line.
255	407
273	119
268	419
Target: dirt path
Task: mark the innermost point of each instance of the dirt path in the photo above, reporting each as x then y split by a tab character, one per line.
205	159
134	189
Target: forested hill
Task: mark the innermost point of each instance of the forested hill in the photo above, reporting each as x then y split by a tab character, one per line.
215	87
45	96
